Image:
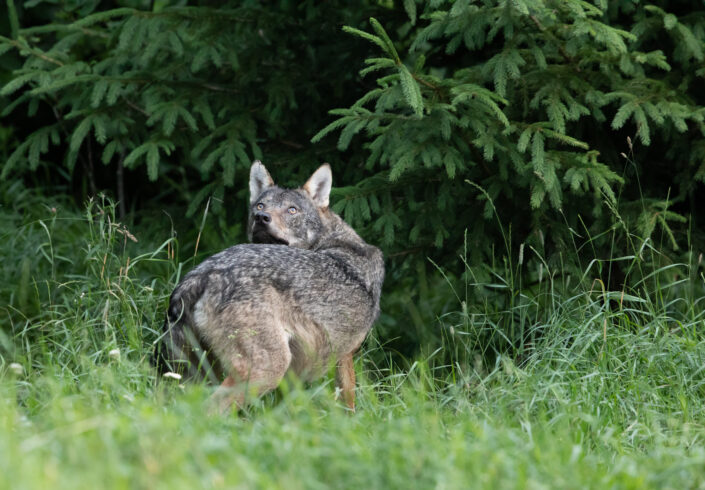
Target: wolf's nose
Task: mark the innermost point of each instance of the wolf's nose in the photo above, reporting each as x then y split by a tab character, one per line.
262	217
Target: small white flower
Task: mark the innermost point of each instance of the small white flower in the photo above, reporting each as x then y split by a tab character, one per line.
171	375
16	368
114	354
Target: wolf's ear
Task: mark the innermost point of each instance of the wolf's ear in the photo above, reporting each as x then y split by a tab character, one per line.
260	180
319	184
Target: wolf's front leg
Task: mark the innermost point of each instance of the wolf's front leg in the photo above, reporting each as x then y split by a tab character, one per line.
345	379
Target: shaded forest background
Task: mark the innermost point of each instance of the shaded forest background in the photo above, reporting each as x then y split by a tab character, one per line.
499	143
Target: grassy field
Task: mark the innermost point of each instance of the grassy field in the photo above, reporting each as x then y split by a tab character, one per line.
606	391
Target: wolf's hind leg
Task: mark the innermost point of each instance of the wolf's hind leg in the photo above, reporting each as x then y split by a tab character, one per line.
226	394
345	379
258	372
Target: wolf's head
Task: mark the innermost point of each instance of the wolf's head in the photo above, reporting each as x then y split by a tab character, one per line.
291	217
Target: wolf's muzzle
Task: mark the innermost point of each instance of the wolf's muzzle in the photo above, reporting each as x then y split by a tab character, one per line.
261	233
262	217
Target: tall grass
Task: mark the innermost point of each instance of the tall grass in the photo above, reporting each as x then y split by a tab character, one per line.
544	376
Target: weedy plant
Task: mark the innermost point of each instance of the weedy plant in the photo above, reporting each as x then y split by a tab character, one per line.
554	381
76	303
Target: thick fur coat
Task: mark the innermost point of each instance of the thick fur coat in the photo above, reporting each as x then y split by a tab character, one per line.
305	293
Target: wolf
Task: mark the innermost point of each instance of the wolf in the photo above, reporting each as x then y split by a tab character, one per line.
303	294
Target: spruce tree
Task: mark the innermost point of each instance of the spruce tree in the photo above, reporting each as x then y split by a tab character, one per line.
536	102
461	109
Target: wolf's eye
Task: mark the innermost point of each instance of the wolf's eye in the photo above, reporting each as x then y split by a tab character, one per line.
292	210
260	206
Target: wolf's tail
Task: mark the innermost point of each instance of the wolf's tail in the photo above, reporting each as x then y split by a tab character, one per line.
170	352
181	348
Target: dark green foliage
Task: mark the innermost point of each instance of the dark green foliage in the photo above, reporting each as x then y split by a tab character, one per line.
187	96
576	125
534	101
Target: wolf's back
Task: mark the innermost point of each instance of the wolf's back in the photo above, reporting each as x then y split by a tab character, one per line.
337	290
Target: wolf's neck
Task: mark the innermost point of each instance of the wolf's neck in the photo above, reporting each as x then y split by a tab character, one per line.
338	234
361	260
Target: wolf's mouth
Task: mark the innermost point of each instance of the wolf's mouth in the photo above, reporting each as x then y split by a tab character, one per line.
261	234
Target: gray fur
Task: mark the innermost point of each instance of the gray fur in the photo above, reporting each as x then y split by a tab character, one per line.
305	292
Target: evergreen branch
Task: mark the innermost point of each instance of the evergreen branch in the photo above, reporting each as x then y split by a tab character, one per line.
12	16
104	16
31	31
411	90
143	81
368	36
22	45
59	84
377	64
553	38
383	34
424	82
136	107
192	12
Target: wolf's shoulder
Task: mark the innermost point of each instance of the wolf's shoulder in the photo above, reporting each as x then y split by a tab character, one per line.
262	256
259	251
285	264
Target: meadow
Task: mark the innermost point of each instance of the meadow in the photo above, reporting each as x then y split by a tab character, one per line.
533	171
605	389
